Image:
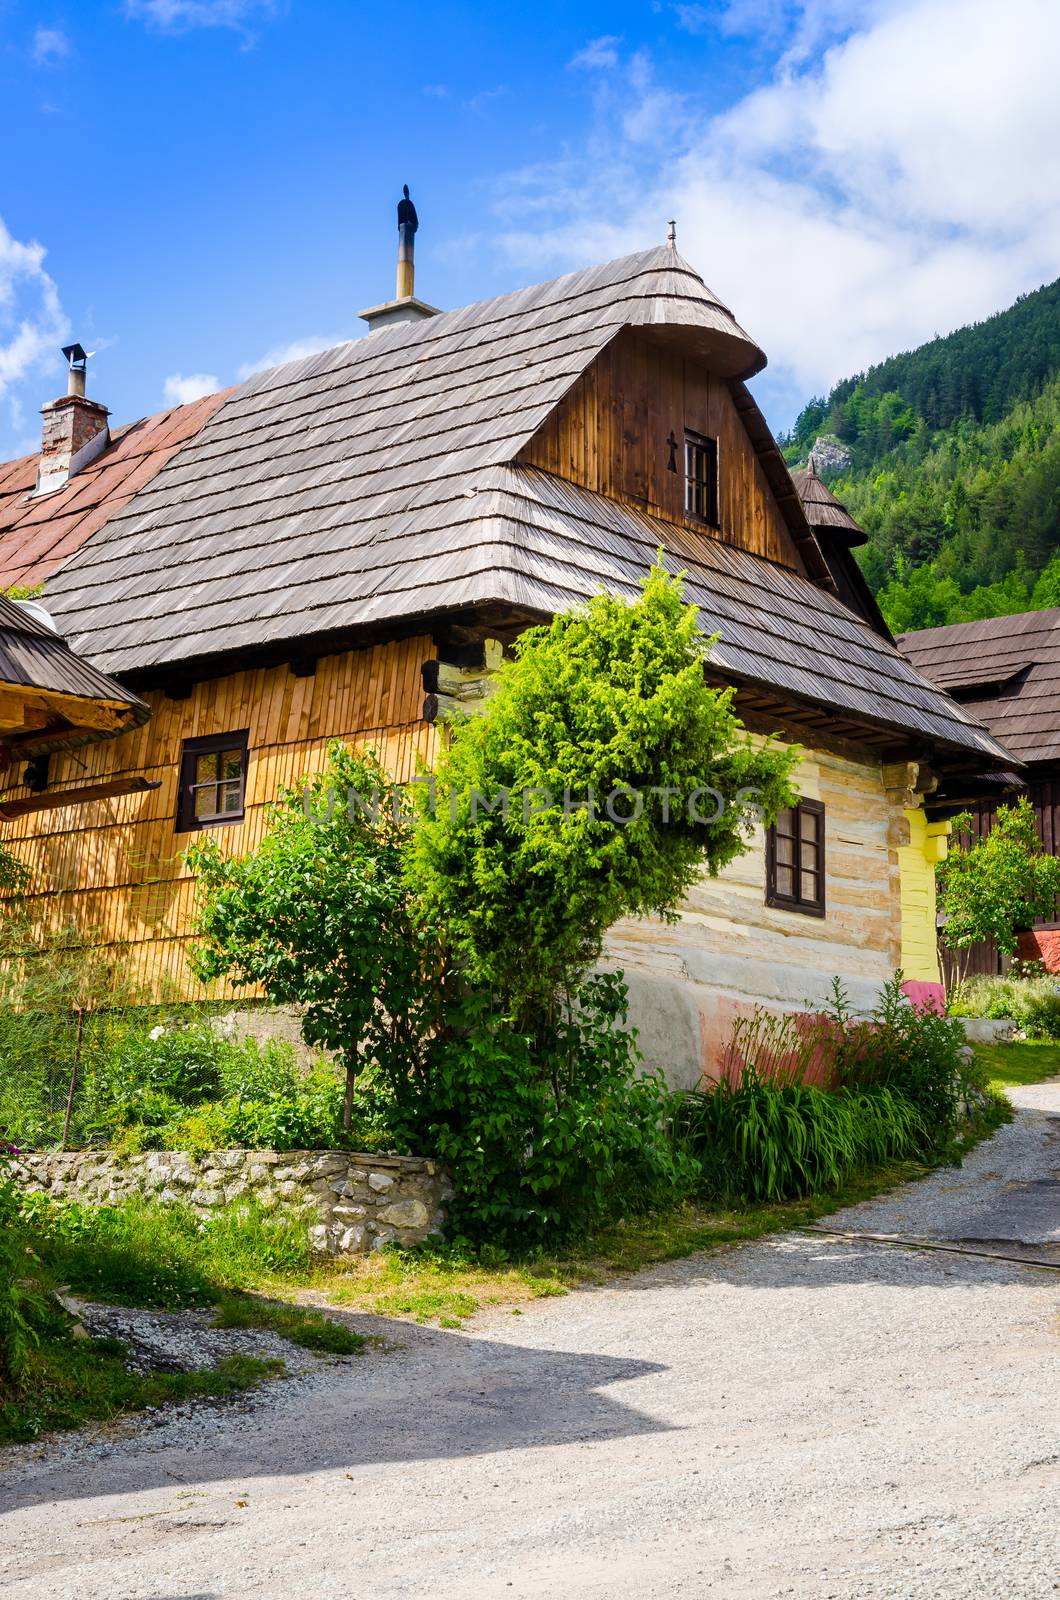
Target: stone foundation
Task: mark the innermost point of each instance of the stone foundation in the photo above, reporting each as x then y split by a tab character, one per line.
361	1201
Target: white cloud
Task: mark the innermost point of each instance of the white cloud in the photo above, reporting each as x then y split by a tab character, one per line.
32	323
901	180
294	350
177	16
598	53
50	46
179	390
478	102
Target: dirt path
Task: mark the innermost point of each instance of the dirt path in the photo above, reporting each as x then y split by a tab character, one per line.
805	1416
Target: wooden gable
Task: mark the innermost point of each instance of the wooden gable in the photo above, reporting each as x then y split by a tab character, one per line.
610	434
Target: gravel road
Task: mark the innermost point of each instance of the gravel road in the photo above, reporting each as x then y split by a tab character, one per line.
804	1416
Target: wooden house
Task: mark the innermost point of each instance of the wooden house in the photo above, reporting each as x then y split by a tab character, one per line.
300	558
1006	670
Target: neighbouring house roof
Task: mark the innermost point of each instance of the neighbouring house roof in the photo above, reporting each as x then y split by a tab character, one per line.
51	699
38	533
1007	669
378	482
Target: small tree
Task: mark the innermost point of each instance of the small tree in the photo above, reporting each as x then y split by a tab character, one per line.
997	885
604	714
318	917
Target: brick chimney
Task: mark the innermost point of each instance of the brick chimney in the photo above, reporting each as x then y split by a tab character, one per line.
75	429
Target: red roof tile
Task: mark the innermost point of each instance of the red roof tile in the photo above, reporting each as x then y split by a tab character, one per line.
38	534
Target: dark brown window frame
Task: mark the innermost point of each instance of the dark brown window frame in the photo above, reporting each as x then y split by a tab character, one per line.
190	751
799	902
705	445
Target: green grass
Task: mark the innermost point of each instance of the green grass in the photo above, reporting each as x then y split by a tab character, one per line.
311	1329
1008	1066
447	1287
137	1254
69	1383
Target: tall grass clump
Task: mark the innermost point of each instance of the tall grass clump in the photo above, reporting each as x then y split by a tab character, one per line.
762	1141
808	1101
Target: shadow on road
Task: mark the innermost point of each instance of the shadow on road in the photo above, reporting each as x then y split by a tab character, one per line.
428	1394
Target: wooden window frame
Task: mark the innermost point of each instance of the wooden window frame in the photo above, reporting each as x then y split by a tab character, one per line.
799	902
706	446
190	751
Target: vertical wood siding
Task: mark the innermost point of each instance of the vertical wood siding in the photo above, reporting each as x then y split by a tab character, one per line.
610	434
115	866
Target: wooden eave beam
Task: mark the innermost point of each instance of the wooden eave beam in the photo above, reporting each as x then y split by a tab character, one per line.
10	810
19	713
79	710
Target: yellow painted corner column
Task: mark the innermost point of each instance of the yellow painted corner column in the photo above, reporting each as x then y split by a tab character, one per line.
916	864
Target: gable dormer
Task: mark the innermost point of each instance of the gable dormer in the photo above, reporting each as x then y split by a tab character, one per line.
654	427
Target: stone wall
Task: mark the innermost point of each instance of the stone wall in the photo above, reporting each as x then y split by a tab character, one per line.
361	1201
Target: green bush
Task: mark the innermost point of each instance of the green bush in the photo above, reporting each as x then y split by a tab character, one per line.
22	1305
549	1136
163	1080
1040	1011
1032	1002
915	1053
898	1082
762	1141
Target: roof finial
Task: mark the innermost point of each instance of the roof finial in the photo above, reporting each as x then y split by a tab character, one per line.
671	237
408	222
811	465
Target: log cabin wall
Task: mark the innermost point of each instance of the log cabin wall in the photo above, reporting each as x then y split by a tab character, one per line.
729	951
114	867
610	434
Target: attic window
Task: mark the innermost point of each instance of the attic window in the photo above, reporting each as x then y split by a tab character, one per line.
701	478
213	778
988	682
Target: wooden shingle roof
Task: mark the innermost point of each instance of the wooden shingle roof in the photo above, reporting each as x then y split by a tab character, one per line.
1008	668
377	483
74	702
821	507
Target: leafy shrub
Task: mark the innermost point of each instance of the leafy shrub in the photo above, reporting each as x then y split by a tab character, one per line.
444	958
888	1086
320	917
295	1111
542	1142
997	884
1032	1002
609	696
158	1080
781	1141
22	1305
915	1053
1040	1011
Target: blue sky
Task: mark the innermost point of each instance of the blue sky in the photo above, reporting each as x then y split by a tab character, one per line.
193	187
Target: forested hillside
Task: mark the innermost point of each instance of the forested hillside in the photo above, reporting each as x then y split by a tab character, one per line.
954	467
